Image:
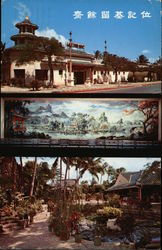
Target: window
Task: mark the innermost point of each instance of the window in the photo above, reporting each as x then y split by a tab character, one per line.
101	72
41	74
29	30
123	72
94	72
60	72
19	73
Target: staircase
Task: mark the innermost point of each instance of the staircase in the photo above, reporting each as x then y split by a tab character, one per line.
8	224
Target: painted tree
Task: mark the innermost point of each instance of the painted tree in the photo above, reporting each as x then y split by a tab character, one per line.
103	118
150	112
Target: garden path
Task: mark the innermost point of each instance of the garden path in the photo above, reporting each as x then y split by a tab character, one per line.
37	236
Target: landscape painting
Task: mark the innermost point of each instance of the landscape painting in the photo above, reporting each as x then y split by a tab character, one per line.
120	119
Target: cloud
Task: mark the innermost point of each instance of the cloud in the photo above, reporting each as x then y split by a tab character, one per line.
23	11
145	51
52	33
152	60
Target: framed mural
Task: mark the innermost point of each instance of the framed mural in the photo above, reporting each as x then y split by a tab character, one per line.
83	119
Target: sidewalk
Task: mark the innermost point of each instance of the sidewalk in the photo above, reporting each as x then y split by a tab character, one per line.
76	88
37	236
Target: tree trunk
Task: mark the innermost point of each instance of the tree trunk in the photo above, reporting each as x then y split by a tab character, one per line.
65	191
51	70
144	128
14	173
33	177
21	176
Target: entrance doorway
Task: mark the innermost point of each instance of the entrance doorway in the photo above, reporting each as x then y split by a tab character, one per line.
79	77
19	73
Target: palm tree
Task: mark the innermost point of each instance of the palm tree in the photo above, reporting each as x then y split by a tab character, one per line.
21	175
33	177
98	54
103	170
111	173
142	59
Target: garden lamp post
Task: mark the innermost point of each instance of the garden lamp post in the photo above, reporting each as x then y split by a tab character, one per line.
70	66
105	54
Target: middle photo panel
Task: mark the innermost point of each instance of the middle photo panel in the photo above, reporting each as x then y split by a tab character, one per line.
87	122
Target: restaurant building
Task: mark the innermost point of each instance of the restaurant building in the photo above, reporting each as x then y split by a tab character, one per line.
75	67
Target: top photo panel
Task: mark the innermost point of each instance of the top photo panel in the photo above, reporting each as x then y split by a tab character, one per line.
83	46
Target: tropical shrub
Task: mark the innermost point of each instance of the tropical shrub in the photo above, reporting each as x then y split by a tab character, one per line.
114	201
3	198
109	212
126	223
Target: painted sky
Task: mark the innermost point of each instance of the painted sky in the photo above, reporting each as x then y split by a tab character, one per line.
127	37
114	110
130	164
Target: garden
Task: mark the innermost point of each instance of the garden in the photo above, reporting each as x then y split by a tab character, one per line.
76	209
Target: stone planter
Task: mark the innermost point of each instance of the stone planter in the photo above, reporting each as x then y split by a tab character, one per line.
78	238
97	241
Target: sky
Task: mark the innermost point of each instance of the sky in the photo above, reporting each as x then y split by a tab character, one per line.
95	107
130	164
91	23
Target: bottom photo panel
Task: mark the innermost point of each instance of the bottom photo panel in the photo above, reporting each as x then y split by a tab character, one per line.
80	203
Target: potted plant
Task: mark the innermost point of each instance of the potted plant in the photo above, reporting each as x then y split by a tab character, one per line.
23	217
32	213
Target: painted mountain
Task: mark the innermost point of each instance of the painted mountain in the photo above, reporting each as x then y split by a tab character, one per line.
82	119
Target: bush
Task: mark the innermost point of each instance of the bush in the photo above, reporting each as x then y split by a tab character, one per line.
39	207
21	212
114	201
126	223
109	212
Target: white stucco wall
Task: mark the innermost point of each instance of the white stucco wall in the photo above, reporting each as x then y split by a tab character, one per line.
29	68
59	79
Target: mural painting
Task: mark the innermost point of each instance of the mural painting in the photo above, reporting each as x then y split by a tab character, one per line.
82	119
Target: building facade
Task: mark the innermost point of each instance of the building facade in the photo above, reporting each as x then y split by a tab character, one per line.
75	67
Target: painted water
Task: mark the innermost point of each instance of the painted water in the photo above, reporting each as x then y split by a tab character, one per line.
82	119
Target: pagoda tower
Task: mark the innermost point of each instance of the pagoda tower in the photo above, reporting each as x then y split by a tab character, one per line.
26	32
